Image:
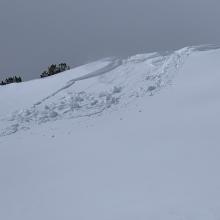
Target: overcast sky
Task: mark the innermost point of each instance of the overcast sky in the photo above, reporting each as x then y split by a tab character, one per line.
36	33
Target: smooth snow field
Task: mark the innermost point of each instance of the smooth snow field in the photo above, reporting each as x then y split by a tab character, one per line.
117	139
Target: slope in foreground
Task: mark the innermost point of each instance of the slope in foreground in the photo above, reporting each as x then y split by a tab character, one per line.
153	152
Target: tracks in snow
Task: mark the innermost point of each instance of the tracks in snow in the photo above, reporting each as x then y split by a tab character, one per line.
113	65
120	82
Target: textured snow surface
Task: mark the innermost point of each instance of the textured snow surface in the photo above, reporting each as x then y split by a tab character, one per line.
134	138
90	91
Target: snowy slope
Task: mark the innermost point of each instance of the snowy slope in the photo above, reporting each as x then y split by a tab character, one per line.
87	90
134	138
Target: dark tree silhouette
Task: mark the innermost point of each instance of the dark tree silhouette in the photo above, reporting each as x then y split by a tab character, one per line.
55	69
9	80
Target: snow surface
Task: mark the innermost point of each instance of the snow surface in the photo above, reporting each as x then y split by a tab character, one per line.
134	138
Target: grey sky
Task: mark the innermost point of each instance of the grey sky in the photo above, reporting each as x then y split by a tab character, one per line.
36	33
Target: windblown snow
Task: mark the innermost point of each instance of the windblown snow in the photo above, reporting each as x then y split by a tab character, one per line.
88	90
134	138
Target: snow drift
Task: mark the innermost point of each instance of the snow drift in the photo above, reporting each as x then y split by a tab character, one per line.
134	138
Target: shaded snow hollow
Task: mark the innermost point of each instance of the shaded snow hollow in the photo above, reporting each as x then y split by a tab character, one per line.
116	139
